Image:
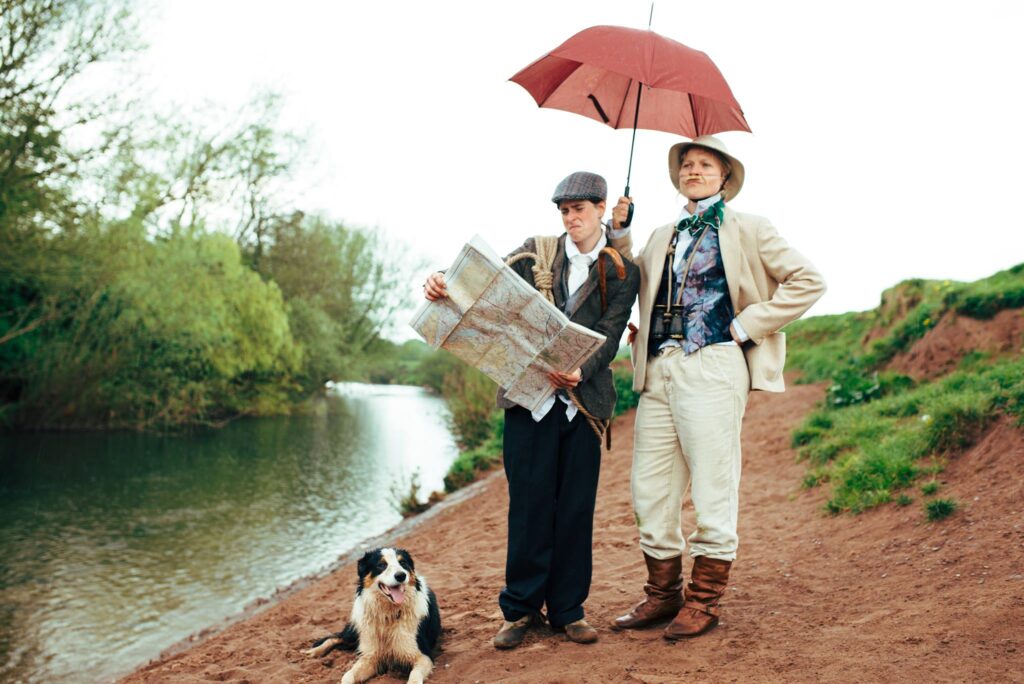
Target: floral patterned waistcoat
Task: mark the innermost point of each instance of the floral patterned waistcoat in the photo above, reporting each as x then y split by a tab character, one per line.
706	307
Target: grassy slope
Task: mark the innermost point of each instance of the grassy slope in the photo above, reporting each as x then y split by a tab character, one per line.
878	432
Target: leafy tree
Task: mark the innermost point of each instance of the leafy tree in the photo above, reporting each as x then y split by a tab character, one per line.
342	286
44	45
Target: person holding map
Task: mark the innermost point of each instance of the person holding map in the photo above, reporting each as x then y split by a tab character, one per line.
718	286
552	455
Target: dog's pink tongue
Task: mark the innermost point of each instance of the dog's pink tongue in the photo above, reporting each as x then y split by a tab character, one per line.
397	594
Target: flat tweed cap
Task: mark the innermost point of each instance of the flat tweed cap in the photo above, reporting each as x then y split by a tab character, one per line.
581	185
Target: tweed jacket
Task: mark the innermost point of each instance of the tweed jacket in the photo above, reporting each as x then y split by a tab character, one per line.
595	391
770	284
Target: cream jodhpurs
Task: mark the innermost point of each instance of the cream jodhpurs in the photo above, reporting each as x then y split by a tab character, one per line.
687	436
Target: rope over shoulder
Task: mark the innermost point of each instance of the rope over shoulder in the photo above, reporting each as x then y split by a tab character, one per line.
543	279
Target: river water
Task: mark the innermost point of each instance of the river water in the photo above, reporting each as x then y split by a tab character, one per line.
114	546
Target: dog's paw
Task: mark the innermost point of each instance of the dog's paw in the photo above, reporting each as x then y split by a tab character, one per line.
349	678
415	678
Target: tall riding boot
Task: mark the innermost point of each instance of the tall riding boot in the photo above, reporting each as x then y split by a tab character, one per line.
700	602
664	598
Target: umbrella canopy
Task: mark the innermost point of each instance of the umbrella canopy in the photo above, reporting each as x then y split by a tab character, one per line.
594	72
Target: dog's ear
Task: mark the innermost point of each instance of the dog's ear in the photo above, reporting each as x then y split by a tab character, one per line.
405	559
364	566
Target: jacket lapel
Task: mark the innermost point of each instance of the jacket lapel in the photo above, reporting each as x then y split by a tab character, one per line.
655	266
729	244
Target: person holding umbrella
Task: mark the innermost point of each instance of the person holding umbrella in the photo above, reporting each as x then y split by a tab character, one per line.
552	456
716	288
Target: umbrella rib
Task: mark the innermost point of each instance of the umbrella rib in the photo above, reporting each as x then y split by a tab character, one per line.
693	114
622	105
597	106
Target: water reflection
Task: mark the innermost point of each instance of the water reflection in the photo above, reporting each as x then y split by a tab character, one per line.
114	546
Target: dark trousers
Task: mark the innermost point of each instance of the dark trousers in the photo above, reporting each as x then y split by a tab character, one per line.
552	468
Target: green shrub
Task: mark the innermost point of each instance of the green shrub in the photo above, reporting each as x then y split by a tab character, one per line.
903	500
470	396
851	386
625	397
930	487
471	464
937	509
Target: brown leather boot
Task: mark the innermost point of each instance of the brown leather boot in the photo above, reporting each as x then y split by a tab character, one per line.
664	598
700	603
511	633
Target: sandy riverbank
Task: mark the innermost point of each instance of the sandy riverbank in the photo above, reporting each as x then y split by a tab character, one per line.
883	596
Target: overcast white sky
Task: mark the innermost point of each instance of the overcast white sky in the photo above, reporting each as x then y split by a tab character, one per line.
887	136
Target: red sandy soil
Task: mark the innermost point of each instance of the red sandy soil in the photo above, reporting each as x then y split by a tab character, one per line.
880	597
939	351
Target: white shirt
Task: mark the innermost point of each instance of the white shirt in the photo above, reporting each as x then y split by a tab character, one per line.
679	263
579	269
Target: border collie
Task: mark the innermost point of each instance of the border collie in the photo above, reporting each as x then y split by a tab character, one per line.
394	622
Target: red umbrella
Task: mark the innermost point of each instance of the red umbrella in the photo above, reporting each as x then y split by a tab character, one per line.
594	72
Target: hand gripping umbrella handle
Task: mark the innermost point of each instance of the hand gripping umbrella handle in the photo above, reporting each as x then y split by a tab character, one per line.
629	212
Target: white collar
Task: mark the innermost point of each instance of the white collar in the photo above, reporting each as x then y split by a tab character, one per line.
702	206
572	250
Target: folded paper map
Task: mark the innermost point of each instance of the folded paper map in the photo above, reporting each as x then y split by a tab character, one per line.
495	321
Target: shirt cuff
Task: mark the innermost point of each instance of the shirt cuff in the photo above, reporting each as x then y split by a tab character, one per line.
740	332
616	234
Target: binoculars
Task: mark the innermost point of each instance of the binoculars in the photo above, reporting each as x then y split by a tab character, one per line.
667	323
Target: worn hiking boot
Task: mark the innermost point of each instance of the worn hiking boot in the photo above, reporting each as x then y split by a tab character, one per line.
511	633
700	603
581	632
664	594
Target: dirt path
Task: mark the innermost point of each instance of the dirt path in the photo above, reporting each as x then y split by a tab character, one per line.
880	597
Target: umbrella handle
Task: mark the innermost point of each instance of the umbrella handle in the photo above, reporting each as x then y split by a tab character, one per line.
629	217
629	212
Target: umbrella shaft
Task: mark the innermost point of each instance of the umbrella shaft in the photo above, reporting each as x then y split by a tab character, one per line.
636	118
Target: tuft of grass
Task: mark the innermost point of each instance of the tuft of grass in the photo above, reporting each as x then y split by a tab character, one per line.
987	297
815	477
958	419
930	487
903	500
406	500
937	509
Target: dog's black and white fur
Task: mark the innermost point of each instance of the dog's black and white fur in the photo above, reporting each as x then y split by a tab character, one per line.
395	620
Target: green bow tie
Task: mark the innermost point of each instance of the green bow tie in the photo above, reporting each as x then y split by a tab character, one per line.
712	218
